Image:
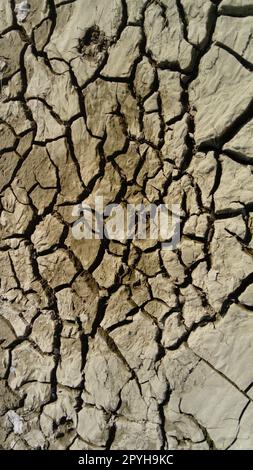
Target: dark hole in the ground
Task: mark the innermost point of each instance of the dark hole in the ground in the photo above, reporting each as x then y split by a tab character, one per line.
63	420
92	35
93	42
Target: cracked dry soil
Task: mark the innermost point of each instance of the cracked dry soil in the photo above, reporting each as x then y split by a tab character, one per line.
109	345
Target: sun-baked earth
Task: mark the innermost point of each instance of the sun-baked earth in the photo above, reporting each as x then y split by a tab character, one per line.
124	345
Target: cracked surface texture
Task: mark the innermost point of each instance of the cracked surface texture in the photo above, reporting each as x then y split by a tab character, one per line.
123	345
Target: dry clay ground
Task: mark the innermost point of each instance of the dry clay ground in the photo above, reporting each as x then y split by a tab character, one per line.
110	345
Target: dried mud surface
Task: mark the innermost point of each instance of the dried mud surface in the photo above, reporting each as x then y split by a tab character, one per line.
109	345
